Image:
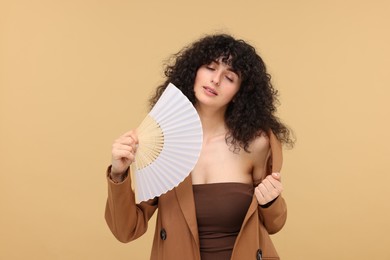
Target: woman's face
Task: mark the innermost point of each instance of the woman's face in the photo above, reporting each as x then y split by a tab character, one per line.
216	84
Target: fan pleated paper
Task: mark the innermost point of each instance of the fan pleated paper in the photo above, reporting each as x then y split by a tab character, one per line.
170	139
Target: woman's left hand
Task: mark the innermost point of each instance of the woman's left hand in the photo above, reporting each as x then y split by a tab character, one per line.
269	189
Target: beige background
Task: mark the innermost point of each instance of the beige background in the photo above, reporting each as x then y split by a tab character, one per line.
76	74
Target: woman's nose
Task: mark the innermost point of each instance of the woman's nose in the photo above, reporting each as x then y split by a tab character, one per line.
216	78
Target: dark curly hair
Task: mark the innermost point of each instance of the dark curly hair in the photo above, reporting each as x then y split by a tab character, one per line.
253	110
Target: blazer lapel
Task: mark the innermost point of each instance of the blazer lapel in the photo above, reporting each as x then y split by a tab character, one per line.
252	209
185	197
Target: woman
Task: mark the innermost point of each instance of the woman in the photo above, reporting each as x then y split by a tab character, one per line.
231	201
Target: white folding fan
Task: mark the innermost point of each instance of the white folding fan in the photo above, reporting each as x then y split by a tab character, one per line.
170	139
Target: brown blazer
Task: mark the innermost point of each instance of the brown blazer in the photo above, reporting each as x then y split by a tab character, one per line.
176	234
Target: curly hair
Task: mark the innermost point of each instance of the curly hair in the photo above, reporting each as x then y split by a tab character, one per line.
253	110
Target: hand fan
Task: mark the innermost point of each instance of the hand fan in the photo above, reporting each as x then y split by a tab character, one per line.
170	139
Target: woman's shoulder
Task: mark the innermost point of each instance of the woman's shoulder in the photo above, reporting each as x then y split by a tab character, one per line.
259	153
260	144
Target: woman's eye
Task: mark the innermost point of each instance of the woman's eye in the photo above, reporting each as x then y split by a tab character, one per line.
210	68
229	78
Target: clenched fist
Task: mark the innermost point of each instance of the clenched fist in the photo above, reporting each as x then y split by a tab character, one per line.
269	189
123	154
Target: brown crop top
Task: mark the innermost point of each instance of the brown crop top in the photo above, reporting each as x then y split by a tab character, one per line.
220	211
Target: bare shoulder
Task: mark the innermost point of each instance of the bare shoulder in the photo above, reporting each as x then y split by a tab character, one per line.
259	153
260	145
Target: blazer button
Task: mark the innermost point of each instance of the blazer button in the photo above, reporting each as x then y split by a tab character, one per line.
163	234
259	255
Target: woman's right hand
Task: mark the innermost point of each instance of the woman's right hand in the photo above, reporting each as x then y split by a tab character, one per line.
123	154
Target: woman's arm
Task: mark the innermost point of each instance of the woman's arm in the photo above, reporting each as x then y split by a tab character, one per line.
274	216
126	219
268	159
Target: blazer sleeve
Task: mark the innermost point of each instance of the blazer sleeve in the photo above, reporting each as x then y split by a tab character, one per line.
126	219
274	217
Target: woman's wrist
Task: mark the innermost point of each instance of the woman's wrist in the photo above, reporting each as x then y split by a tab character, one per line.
117	177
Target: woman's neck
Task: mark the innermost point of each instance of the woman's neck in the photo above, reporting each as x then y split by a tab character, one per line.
213	122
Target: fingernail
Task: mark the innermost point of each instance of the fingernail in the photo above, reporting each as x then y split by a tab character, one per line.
275	174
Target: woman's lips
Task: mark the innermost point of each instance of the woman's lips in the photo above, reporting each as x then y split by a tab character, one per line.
210	90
